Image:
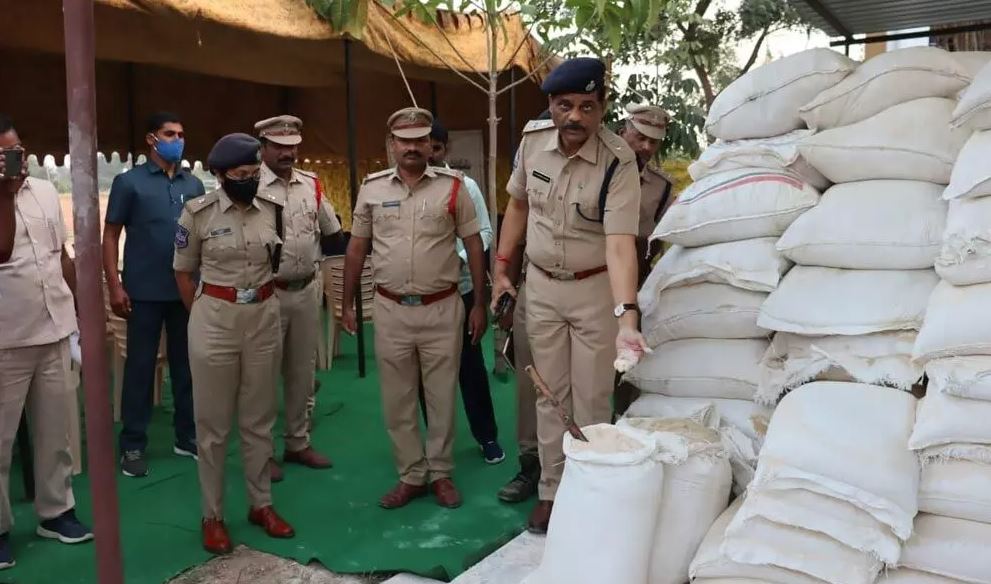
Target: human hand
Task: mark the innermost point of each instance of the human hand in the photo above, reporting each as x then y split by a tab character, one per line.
476	323
349	321
630	348
120	302
501	284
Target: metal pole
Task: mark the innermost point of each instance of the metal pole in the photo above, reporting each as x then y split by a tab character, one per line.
353	175
80	67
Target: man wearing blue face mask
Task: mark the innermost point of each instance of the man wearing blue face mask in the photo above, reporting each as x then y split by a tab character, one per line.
146	202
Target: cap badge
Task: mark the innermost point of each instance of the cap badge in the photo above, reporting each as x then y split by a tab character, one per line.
590	86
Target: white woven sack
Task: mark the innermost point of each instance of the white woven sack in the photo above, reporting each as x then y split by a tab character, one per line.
749	418
971	177
739	204
696	492
956	488
701	311
961	376
870	225
612	484
945	419
958	323
828	516
765	101
950	547
886	80
711	563
751	264
965	256
718	368
891	145
974	109
972	61
774	153
879	358
816	441
830	301
958	451
904	576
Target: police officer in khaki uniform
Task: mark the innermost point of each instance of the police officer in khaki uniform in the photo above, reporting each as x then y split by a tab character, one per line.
575	191
307	219
644	131
230	236
413	213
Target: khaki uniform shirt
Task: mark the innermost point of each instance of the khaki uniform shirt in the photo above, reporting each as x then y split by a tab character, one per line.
303	222
228	245
653	185
35	302
412	229
563	232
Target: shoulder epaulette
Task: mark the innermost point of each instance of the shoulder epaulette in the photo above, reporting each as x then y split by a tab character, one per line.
617	146
537	125
653	168
202	202
452	172
308	173
271	197
377	175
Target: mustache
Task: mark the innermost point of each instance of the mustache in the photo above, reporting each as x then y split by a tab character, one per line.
577	127
413	153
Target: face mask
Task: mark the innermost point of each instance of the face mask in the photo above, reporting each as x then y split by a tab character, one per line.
242	191
170	151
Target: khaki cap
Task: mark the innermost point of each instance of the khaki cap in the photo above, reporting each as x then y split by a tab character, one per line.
410	122
283	130
649	120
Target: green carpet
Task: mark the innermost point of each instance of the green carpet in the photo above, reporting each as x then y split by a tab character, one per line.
335	512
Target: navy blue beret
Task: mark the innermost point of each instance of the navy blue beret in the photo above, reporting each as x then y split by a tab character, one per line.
438	131
580	75
233	150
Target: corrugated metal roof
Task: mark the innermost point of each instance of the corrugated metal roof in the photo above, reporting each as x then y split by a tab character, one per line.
850	17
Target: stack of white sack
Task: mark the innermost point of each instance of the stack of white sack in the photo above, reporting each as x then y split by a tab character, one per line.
834	495
701	302
851	309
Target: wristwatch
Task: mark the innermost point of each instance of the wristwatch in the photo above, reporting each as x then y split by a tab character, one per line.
622	309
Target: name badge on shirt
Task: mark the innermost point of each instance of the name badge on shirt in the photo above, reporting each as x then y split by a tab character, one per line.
388	204
221	231
539	175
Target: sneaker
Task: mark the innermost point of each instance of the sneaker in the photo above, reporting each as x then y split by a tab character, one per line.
493	452
65	528
132	464
188	450
6	556
524	484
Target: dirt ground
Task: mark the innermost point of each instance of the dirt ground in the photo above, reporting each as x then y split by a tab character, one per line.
247	566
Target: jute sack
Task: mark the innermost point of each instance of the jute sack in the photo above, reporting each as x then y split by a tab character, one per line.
945	419
711	563
965	256
870	225
751	264
803	449
765	101
974	109
961	376
830	301
903	576
891	145
953	548
706	311
972	61
774	153
956	488
958	323
696	492
971	177
710	368
734	205
886	80
880	358
612	484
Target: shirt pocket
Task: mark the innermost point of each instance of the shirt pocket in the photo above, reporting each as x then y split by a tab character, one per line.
435	219
538	190
387	218
585	212
220	244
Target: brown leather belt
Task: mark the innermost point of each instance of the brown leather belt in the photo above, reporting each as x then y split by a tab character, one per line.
571	275
417	299
240	295
294	285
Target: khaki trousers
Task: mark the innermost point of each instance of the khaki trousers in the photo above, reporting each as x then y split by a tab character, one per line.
233	356
300	313
36	378
572	336
411	341
526	396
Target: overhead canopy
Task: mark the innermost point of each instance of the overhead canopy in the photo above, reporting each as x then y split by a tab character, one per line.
845	18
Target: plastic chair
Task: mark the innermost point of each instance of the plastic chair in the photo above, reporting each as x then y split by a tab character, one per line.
332	269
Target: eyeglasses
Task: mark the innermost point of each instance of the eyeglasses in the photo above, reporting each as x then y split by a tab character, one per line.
243	177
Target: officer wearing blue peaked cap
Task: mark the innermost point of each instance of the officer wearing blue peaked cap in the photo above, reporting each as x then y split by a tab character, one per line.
580	75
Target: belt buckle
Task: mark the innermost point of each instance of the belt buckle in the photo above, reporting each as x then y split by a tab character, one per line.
411	300
566	276
246	296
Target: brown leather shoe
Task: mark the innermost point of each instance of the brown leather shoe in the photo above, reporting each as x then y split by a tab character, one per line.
275	471
269	520
446	493
215	538
307	457
540	517
401	495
